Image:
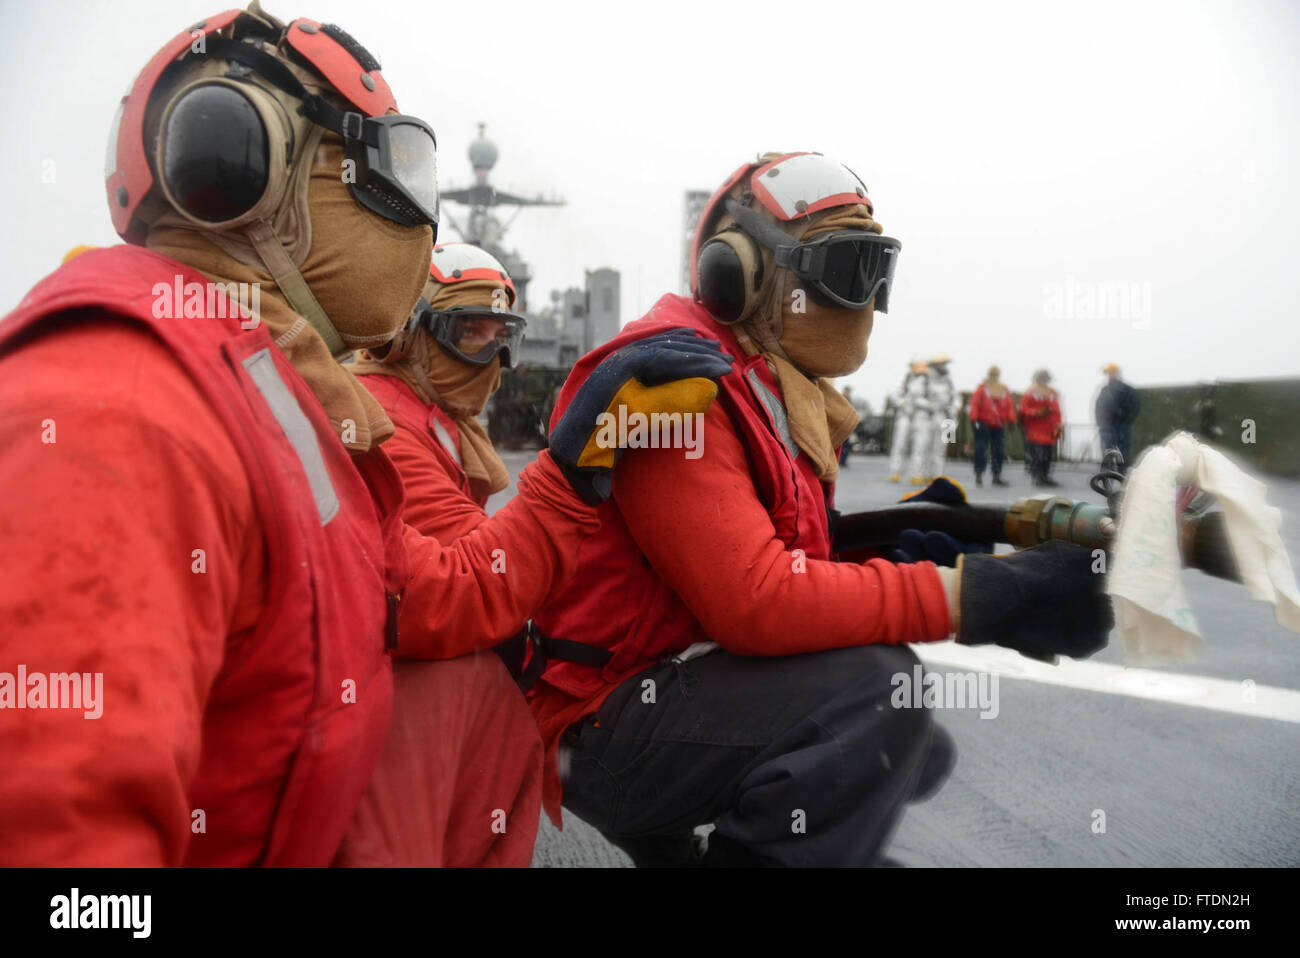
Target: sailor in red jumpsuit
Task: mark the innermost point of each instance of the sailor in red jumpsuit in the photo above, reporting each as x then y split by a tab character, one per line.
433	382
1040	412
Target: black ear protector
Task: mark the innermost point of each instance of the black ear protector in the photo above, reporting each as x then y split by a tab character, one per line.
218	163
730	269
214	154
223	146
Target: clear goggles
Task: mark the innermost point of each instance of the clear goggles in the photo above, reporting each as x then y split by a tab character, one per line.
474	334
396	160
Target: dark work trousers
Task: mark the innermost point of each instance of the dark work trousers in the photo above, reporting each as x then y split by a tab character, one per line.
1117	436
989	440
1038	458
800	760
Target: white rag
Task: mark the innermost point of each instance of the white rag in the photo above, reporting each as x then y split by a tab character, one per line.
1145	581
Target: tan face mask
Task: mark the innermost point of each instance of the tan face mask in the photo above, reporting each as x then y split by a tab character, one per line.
462	388
807	346
365	271
826	340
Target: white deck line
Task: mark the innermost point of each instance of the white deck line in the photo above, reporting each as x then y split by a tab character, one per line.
1243	697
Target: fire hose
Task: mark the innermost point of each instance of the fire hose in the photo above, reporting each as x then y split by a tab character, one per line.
1029	521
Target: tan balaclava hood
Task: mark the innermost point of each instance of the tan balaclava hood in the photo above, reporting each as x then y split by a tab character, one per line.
339	264
806	343
459	388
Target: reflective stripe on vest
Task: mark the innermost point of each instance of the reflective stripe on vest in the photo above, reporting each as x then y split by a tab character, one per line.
444	437
261	369
776	409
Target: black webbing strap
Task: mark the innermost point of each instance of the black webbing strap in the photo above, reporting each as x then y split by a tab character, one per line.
349	124
566	650
773	237
527	652
512	652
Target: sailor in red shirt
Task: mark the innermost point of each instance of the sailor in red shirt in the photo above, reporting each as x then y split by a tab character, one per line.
992	412
203	564
711	662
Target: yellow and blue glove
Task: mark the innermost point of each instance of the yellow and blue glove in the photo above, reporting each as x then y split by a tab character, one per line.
671	372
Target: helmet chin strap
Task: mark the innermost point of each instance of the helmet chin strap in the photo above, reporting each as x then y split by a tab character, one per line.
293	286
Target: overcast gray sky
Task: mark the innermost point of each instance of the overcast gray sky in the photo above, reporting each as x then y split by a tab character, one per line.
1136	158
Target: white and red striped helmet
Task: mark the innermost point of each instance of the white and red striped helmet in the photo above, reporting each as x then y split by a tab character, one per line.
460	262
788	187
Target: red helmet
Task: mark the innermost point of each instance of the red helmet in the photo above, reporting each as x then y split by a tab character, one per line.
221	142
790	186
850	268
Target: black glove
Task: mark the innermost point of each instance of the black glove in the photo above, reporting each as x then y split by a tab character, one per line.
1043	601
978	427
937	547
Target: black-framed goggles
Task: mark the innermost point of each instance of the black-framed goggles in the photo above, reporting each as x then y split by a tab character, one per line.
395	156
474	334
396	160
848	268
